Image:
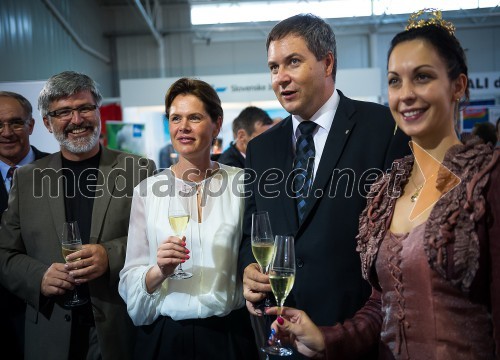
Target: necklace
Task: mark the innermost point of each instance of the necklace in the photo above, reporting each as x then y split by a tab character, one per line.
418	189
415	195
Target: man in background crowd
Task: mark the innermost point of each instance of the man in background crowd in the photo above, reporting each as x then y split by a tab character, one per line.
16	126
486	131
252	121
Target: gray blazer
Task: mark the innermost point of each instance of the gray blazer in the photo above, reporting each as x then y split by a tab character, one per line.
30	242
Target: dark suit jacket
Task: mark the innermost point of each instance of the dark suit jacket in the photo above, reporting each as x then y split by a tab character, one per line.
4	195
11	307
232	157
30	242
328	284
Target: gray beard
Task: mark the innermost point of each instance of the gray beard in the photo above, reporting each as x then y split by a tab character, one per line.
81	145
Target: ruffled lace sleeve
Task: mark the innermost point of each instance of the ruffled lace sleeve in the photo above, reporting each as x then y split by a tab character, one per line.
451	240
376	217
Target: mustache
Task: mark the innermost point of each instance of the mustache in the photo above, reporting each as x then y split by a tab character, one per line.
72	127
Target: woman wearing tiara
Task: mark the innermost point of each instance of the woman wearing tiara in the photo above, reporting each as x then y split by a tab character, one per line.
429	237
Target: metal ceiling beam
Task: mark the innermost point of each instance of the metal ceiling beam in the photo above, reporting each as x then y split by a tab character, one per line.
73	34
156	35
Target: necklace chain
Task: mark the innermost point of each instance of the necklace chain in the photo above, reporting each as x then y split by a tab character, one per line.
416	194
419	188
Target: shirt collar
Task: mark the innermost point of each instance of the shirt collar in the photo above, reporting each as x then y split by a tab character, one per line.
26	160
323	117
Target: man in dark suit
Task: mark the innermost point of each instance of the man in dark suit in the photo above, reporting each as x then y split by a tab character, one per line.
92	185
251	121
350	143
16	126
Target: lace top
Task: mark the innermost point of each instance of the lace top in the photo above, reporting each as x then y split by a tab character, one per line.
435	284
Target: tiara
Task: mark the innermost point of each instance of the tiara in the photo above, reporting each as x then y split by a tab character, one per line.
429	16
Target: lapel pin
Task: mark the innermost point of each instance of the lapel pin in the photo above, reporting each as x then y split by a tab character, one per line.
347	132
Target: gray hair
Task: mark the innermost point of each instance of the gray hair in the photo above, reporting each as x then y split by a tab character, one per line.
66	84
318	35
25	104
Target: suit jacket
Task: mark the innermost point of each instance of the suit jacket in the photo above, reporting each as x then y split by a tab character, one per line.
4	195
30	242
232	157
12	308
328	283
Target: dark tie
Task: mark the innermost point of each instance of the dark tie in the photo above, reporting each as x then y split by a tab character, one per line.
304	165
10	174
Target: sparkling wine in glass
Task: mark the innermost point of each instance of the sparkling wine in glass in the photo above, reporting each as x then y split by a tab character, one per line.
178	217
262	244
281	277
262	240
72	242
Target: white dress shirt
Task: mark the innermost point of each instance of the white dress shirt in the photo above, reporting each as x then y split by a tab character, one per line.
215	289
324	119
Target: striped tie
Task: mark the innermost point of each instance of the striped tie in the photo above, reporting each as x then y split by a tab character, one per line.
304	165
10	174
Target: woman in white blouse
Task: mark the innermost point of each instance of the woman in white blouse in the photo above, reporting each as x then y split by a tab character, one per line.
202	317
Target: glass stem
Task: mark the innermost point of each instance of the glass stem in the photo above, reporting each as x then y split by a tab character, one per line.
179	268
75	294
278	341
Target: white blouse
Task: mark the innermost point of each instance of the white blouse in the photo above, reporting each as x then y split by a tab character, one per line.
214	289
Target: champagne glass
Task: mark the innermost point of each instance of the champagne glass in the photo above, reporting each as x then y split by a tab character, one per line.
262	240
281	277
178	217
262	243
72	242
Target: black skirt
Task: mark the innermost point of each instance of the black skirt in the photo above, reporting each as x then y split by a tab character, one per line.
222	338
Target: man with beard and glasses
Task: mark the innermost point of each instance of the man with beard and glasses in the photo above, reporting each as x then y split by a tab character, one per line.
92	185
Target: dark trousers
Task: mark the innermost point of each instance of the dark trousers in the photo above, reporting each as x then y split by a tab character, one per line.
12	314
84	342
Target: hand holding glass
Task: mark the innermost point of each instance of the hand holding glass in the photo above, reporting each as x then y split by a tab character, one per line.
72	242
281	277
178	217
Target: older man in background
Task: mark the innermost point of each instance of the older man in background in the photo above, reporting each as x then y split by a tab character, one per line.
16	126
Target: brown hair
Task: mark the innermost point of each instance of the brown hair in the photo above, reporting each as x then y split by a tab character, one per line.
203	91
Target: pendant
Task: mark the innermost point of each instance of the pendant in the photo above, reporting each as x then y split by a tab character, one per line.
415	195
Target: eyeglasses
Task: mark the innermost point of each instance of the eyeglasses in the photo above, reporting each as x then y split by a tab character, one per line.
67	113
16	125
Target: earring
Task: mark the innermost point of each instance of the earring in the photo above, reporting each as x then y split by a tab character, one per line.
395	128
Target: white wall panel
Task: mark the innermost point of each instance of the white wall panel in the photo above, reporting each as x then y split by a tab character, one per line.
479	46
352	51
